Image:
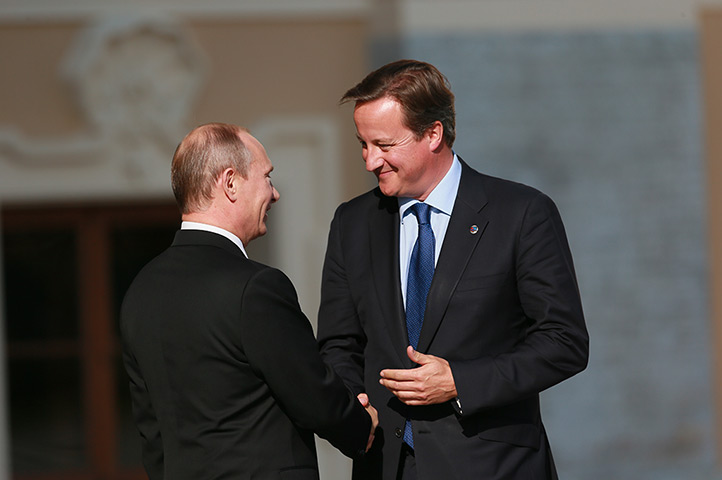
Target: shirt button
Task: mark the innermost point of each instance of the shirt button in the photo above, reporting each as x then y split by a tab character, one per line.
398	432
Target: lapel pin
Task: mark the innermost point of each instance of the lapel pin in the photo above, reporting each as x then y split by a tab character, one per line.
473	229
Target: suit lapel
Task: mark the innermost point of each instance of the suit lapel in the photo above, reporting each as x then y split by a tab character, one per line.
384	241
459	243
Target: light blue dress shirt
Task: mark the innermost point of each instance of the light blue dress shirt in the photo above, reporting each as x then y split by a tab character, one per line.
441	199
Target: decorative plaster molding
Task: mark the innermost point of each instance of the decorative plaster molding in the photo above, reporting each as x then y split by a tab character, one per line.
304	151
135	79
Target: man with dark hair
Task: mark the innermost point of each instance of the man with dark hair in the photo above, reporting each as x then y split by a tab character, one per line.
448	296
225	375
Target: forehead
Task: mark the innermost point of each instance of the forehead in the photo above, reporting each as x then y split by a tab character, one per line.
379	117
259	157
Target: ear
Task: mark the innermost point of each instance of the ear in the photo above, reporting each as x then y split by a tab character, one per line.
435	134
229	183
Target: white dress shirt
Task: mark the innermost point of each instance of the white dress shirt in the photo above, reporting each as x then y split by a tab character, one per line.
214	229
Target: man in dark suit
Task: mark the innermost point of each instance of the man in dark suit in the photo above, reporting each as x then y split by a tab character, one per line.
225	375
448	296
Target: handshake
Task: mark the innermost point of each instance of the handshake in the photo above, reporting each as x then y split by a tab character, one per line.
430	383
364	399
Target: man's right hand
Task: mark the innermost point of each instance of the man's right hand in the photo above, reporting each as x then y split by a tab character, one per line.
364	399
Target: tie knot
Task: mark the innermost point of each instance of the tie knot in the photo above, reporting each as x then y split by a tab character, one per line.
422	212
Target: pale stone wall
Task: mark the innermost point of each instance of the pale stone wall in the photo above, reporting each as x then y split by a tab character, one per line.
609	125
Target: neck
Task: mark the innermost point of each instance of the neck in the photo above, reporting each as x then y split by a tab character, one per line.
213	216
441	165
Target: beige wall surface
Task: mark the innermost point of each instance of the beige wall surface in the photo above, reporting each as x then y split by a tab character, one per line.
253	70
266	68
262	69
34	99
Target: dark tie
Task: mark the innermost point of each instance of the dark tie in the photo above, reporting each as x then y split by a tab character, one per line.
421	271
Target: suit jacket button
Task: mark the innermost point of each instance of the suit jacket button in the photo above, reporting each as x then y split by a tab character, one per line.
398	432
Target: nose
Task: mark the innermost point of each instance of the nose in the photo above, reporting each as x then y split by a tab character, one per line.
275	196
373	159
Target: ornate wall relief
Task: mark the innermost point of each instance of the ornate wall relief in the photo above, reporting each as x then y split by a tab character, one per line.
135	80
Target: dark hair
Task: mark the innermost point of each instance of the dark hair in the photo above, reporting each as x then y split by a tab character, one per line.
201	157
420	88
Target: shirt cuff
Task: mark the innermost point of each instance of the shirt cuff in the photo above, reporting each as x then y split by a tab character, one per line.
456	403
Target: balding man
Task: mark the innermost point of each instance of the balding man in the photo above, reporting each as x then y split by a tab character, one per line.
225	375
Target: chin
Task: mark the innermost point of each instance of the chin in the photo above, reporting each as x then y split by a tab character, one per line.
388	191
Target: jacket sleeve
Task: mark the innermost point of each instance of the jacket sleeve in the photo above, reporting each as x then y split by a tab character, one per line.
279	343
146	419
340	333
556	344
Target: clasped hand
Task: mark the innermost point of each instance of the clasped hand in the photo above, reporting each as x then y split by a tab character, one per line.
364	399
430	383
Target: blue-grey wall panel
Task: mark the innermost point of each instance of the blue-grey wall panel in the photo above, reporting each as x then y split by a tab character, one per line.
609	125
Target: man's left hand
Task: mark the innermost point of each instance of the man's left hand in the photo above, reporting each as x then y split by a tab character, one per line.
432	382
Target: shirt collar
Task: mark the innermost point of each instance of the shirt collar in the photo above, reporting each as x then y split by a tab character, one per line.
443	196
212	228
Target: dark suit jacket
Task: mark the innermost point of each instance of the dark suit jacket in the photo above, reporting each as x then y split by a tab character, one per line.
503	309
225	375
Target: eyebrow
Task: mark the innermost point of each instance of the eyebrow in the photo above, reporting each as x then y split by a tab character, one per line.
376	141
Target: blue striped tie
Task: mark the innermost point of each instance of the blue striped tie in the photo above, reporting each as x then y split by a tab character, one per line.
421	271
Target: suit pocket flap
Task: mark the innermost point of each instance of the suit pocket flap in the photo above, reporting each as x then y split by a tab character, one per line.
524	435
